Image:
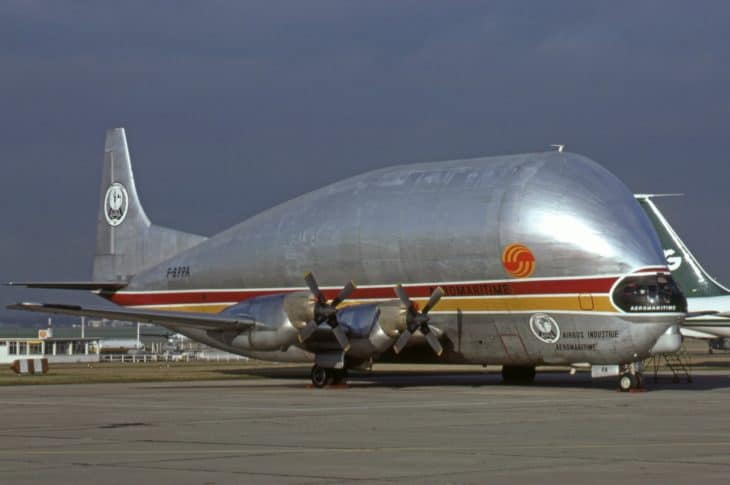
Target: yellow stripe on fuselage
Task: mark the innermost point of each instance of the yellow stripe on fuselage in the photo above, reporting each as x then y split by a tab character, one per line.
569	303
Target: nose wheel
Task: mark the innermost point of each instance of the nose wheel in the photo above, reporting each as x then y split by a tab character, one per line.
627	382
631	379
323	376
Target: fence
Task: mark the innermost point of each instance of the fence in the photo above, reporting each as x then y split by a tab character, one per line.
186	357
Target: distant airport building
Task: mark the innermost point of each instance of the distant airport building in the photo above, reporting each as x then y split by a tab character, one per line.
56	350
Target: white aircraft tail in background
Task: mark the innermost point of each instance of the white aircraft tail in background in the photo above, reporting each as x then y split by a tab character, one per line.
704	293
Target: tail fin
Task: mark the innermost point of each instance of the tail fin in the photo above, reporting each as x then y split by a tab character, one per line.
687	272
126	241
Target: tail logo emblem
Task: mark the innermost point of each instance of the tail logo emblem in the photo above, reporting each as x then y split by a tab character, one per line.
116	203
674	262
518	261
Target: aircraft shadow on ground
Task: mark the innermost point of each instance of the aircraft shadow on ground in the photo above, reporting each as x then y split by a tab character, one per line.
402	379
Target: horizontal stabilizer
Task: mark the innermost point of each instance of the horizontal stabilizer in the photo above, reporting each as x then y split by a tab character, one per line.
167	319
72	285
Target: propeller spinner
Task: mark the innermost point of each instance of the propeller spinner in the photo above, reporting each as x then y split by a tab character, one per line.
418	320
326	312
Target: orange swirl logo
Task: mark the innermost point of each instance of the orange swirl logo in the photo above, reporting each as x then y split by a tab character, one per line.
518	261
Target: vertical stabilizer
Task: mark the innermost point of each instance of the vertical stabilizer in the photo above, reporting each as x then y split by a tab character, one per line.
686	270
126	241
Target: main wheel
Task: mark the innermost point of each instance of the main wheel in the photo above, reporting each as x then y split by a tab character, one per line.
518	374
321	376
627	382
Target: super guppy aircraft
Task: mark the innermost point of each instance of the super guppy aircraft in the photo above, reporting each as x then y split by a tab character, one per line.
524	260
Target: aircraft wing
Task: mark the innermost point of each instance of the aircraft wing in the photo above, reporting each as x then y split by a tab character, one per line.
71	285
167	319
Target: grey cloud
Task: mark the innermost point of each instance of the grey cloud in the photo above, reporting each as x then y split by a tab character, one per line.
234	106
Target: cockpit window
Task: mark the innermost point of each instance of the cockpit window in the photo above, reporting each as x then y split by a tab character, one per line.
649	293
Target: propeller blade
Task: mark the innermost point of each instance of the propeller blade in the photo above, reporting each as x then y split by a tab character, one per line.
403	297
344	293
402	341
314	287
433	301
433	341
307	331
341	338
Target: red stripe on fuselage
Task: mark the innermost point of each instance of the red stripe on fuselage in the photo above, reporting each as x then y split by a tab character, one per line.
500	288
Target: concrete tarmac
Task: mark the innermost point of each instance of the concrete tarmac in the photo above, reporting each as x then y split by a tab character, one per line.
394	427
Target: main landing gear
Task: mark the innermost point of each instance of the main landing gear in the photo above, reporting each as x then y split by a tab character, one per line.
322	376
518	374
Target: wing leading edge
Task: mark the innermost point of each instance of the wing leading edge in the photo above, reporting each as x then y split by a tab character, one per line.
71	285
167	319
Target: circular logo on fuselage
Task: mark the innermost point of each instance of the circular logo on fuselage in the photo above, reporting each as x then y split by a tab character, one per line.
116	203
518	261
545	328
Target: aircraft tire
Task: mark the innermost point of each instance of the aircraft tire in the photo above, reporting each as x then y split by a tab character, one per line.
321	377
627	381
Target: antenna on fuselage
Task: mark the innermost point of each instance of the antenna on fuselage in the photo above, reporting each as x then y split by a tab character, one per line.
559	147
652	196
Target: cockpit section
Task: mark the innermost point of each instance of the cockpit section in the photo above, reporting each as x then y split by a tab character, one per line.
655	293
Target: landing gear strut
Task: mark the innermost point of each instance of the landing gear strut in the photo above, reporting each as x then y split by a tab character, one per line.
517	374
322	376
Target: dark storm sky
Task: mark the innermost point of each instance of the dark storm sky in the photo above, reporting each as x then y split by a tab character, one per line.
231	107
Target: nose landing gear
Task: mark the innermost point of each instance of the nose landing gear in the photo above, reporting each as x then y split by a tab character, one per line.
632	378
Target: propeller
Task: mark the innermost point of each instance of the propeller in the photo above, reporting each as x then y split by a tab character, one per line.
418	320
326	312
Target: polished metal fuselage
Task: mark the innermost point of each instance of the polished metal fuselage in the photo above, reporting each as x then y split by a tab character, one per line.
443	223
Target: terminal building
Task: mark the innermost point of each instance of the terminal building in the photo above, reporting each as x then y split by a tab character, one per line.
56	350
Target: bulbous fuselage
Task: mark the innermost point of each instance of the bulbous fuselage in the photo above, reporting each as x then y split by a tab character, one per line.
571	229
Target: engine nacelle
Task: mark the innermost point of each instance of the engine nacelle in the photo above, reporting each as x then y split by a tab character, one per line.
374	327
299	308
274	330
